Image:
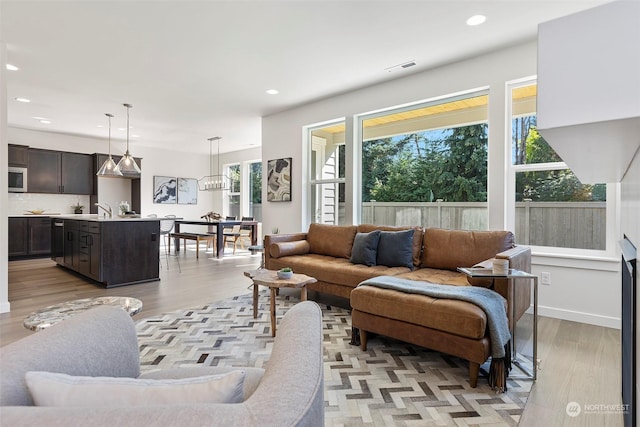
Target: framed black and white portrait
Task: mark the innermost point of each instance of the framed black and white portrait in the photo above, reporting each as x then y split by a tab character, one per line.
164	189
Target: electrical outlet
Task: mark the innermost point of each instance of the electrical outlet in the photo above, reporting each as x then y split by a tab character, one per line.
545	278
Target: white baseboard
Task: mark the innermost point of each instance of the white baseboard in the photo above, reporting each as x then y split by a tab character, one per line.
5	307
577	316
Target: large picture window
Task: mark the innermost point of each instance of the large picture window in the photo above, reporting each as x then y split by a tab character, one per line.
552	207
427	165
327	170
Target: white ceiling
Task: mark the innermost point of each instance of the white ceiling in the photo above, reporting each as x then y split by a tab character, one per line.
197	69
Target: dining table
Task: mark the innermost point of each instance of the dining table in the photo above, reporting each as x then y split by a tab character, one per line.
217	228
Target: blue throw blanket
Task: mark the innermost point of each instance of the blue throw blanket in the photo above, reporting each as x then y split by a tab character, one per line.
489	301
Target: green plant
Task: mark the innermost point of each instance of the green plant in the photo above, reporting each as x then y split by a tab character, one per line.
77	206
275	230
286	270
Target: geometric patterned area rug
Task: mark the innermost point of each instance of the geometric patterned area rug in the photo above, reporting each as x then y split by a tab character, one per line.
392	383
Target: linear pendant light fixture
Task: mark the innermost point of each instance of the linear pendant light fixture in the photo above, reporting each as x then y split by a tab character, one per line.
109	167
213	182
127	164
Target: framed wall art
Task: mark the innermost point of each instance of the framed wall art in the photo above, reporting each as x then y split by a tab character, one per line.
187	191
164	189
279	180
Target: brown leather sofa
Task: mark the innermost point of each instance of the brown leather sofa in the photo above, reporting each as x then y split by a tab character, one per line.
453	327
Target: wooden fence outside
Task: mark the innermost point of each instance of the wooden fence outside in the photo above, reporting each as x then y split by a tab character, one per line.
558	224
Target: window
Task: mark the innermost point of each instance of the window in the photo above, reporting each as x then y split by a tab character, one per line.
233	196
327	173
552	207
427	164
255	190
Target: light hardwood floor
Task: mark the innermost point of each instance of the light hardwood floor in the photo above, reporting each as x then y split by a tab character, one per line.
580	363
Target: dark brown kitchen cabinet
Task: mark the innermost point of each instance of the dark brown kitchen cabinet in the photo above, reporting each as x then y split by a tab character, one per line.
76	175
44	171
18	155
39	236
18	241
60	172
29	236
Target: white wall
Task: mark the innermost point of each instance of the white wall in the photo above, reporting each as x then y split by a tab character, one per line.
583	290
4	242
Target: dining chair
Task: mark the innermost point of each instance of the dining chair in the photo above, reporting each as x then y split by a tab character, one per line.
246	231
227	230
166	227
233	236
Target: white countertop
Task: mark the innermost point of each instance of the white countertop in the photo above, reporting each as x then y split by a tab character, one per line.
84	217
100	218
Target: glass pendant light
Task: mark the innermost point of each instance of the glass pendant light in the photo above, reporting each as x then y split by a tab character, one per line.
127	164
109	167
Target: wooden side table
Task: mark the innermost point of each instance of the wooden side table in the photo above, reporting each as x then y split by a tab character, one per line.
512	273
270	279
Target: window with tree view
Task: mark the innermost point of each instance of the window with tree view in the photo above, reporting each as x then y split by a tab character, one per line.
233	196
552	207
255	188
427	165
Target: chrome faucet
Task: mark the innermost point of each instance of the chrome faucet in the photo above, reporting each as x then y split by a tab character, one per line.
108	211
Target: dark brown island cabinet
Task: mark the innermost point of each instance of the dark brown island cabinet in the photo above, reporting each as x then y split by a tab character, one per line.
113	252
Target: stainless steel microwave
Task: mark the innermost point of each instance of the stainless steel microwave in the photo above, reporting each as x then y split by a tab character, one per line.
17	180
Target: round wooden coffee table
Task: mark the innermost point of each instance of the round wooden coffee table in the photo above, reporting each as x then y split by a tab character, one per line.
43	318
270	279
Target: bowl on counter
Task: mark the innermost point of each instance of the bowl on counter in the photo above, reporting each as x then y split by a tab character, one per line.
36	211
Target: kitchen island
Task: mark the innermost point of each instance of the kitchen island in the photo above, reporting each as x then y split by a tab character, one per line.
111	251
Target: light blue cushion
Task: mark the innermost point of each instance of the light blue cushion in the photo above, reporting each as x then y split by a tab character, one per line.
365	248
395	248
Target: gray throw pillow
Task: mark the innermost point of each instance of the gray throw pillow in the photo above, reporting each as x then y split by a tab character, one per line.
395	248
365	247
55	389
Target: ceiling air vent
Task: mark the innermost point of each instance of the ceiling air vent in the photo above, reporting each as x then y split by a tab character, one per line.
407	64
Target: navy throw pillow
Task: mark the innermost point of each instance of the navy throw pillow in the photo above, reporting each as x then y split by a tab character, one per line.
395	248
365	247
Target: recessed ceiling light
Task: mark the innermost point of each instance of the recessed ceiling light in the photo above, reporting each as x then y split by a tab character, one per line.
23	100
99	126
46	122
135	136
12	67
272	92
39	118
476	20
